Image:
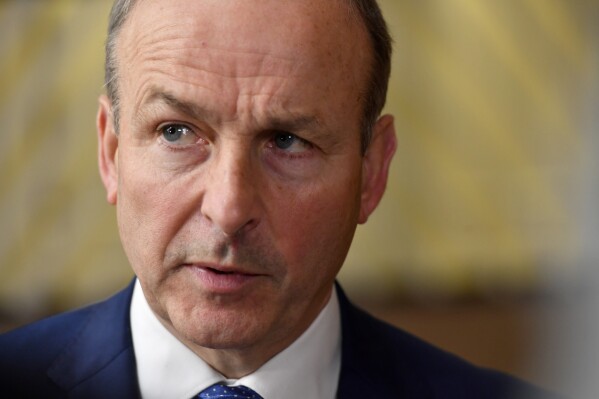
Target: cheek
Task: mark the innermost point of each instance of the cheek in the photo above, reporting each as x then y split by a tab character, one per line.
316	229
151	206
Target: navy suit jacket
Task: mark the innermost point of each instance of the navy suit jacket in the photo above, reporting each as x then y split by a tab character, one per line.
88	353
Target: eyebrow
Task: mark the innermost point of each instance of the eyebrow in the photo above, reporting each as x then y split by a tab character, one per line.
295	124
307	123
185	107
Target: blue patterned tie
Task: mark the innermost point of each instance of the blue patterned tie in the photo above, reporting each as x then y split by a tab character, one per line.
221	391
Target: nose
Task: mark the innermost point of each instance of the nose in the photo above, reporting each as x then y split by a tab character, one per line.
230	200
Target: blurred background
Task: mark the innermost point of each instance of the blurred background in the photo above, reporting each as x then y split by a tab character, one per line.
486	242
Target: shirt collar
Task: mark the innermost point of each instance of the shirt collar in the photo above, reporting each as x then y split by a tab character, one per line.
166	368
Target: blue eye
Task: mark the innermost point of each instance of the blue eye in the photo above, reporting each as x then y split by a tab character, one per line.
172	133
289	143
178	135
284	140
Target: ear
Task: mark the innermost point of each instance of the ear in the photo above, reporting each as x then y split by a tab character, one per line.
375	165
107	148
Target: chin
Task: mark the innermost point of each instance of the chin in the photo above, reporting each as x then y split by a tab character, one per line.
216	327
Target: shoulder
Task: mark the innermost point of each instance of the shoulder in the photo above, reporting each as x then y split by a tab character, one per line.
376	351
33	347
27	354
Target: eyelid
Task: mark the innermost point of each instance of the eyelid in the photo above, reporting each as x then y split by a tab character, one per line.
162	125
283	152
302	140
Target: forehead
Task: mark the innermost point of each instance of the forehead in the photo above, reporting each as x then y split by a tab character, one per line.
252	23
319	42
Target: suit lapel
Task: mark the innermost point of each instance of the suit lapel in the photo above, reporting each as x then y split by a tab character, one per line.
100	362
371	361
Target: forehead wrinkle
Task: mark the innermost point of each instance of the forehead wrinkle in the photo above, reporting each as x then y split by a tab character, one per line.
187	45
158	95
209	59
187	30
293	123
211	74
167	42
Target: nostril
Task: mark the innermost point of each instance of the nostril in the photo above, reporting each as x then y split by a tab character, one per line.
245	228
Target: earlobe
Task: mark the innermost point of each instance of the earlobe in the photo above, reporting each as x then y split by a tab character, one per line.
107	148
375	165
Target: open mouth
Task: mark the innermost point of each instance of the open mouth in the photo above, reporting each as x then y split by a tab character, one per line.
213	270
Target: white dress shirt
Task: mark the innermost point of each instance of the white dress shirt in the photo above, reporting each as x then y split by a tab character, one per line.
166	368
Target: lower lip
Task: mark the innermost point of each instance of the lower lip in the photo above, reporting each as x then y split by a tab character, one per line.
222	283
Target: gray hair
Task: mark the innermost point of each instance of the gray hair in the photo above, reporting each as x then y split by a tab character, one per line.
380	68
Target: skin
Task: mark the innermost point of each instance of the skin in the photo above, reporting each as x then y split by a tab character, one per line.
239	152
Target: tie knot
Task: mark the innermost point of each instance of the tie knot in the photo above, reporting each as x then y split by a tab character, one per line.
221	391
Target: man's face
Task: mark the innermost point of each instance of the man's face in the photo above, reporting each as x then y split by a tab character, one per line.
237	173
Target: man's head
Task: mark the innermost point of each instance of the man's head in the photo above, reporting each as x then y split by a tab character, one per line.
239	172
